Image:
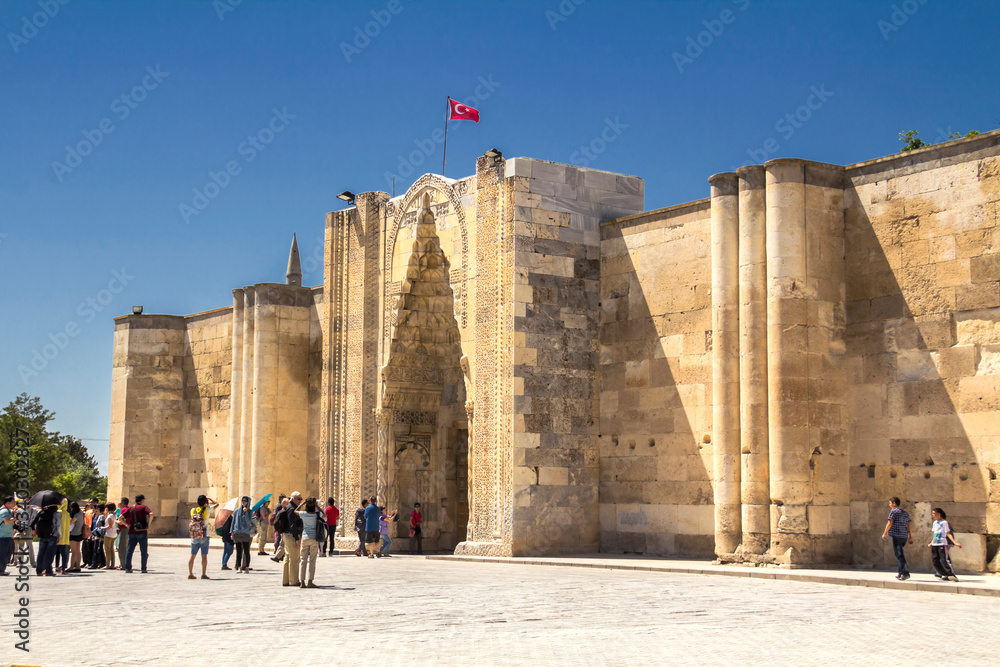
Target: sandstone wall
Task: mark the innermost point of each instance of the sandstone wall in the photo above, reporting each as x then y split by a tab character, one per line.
556	211
147	397
204	447
656	383
923	341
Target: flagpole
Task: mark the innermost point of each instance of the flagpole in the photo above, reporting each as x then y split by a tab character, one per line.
444	159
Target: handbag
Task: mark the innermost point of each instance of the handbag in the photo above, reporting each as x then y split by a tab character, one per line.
413	532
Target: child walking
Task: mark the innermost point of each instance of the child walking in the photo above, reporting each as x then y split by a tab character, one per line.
939	545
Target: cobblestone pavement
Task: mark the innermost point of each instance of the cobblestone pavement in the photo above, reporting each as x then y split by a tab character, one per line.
408	610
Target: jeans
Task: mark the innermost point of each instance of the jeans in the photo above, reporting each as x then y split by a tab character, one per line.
262	537
310	548
46	552
897	548
141	540
417	540
242	555
109	551
386	543
328	543
62	556
227	551
290	570
25	548
361	542
121	543
6	549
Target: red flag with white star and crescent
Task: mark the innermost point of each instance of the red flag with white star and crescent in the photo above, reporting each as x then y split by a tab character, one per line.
461	111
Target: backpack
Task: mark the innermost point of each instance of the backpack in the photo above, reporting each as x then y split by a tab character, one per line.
321	527
281	520
196	527
137	519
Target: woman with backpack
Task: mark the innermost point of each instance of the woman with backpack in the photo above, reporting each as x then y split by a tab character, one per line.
198	529
242	531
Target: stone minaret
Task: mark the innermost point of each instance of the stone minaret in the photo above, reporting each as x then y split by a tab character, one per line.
294	274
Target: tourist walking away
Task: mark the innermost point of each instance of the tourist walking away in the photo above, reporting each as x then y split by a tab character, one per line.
243	529
941	534
6	533
110	533
138	518
263	527
228	545
62	548
332	514
383	529
121	542
291	533
75	537
279	548
372	537
416	536
23	543
359	528
46	529
97	538
198	531
312	520
900	528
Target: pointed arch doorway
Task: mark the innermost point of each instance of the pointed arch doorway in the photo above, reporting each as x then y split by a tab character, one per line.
423	429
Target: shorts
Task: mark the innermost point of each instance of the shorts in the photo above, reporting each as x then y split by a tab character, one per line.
374	537
199	545
76	538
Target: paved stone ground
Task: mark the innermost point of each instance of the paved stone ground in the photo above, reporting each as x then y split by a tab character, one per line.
410	610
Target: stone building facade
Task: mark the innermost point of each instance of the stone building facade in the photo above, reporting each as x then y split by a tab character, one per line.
548	368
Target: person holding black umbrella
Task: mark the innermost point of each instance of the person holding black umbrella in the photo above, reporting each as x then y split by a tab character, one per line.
46	530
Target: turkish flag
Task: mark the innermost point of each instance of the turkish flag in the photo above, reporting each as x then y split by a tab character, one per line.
460	111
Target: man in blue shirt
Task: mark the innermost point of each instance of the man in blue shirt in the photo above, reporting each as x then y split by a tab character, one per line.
899	527
6	532
372	535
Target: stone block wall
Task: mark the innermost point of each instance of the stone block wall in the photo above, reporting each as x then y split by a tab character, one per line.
557	210
147	396
655	353
923	344
204	452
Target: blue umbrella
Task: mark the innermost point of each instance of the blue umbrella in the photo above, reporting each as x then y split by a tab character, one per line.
261	502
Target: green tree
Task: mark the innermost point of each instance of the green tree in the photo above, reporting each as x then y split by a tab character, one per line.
55	461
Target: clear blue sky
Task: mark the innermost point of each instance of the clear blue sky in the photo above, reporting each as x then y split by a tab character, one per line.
350	112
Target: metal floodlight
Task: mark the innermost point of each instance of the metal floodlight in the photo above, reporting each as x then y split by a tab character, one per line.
137	310
493	154
347	196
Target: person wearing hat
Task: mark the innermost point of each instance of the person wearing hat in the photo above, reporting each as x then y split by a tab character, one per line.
242	530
